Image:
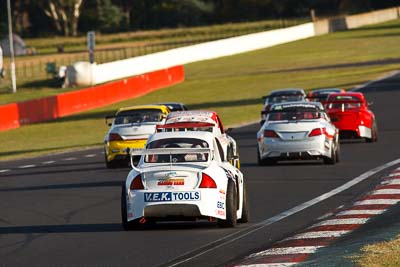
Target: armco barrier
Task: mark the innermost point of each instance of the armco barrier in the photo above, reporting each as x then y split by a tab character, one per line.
16	114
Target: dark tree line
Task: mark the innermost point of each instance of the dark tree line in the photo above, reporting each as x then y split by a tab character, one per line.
70	17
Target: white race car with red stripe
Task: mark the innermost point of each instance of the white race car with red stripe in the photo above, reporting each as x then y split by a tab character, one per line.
297	130
202	120
181	175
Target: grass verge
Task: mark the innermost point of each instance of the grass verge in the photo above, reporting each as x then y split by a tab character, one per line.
380	254
233	86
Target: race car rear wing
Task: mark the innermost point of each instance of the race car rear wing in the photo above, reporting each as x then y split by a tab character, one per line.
170	152
167	151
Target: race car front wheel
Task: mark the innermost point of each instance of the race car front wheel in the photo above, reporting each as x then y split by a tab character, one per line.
230	207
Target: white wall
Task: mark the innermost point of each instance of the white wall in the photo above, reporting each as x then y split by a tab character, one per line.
210	50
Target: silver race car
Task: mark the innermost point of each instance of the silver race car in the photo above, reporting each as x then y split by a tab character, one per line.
297	130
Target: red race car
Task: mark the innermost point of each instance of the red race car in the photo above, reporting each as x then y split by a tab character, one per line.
350	114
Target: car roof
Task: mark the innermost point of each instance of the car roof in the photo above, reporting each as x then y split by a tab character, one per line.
192	116
288	91
203	135
163	108
172	105
317	105
358	95
327	90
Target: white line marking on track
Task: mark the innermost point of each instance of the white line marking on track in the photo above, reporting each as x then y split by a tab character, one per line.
4	170
386	192
48	162
26	166
255	227
281	264
342	221
397	181
360	212
286	250
90	156
377	202
319	234
69	159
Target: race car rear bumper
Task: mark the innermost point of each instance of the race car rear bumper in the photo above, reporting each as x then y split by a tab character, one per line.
359	132
302	149
208	202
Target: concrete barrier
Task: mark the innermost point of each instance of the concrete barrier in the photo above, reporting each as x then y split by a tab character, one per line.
204	51
355	21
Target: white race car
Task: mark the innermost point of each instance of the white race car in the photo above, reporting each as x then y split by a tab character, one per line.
203	120
183	175
297	130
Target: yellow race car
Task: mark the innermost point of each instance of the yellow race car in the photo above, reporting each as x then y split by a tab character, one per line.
130	129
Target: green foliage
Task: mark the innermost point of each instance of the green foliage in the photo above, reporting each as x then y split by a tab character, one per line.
108	16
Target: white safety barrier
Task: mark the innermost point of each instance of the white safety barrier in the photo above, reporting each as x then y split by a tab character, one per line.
210	50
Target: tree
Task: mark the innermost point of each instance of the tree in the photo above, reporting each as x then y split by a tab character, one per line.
109	15
65	14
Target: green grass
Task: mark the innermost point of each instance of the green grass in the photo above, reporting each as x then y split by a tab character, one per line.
233	86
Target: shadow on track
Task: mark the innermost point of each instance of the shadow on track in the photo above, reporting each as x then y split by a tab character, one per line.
63	186
104	227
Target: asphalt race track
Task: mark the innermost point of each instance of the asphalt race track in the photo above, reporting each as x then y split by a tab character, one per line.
64	209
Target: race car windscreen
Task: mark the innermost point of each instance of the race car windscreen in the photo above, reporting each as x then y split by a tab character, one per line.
138	116
184	143
344	105
284	98
344	102
294	113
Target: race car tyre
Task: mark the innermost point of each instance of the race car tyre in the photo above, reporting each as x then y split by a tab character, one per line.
374	133
264	162
245	208
332	159
260	161
125	224
269	162
109	164
337	152
230	207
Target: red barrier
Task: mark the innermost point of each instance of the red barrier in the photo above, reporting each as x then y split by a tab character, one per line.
102	95
9	118
16	114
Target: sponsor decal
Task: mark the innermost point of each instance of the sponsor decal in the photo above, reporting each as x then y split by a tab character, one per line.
286	106
130	215
171	181
220	212
222	191
171	196
220	205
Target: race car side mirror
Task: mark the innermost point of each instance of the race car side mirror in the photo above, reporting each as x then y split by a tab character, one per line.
229	130
370	103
